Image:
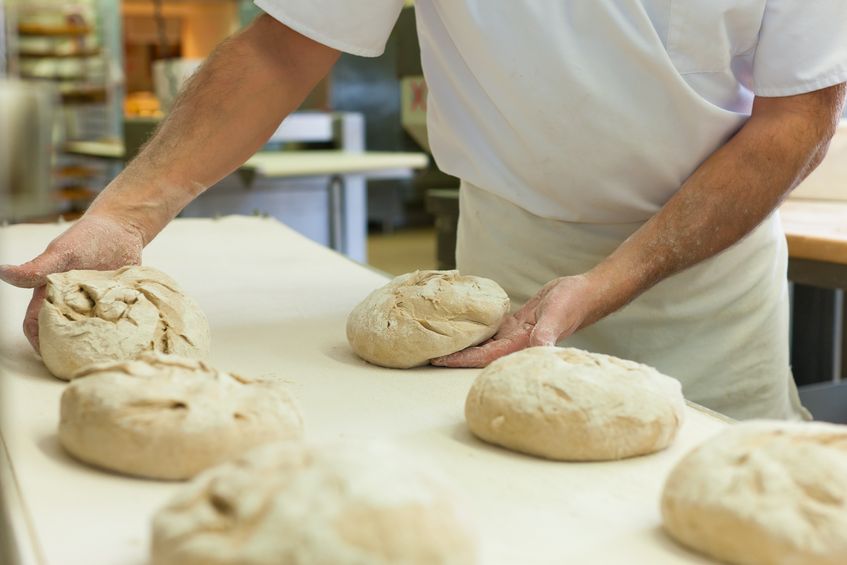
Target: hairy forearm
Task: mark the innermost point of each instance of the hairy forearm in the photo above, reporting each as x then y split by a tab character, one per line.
225	113
733	191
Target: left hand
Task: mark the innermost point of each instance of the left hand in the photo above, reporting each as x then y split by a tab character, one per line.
560	308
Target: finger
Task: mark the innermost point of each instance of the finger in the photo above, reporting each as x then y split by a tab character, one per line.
526	313
543	336
483	355
508	326
33	273
552	326
31	317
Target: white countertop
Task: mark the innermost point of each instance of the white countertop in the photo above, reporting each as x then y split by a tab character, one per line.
312	163
280	164
277	305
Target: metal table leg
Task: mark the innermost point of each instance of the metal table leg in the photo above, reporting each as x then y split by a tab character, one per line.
838	337
335	191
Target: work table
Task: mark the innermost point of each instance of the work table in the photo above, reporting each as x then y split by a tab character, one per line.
321	193
277	305
284	164
816	229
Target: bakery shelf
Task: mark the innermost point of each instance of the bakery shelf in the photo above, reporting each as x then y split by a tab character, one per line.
25	29
60	55
94	95
57	77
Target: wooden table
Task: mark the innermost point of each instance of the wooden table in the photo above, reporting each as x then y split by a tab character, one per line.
816	231
277	305
817	241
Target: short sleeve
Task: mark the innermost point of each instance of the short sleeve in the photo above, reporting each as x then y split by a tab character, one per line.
358	27
802	47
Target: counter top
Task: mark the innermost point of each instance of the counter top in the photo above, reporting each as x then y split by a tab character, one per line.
278	164
102	149
816	229
277	305
310	163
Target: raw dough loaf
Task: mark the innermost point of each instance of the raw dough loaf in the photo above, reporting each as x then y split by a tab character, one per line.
572	405
168	417
763	493
426	314
97	316
290	504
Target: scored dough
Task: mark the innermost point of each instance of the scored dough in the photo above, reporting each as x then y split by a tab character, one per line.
426	314
280	504
168	417
572	405
763	493
98	316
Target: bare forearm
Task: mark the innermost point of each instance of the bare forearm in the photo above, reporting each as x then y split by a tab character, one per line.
733	191
225	113
726	197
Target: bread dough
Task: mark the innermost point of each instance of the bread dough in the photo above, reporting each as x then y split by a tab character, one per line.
572	405
286	504
426	314
96	316
763	493
168	417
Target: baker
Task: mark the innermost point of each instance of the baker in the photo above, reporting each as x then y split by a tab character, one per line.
621	163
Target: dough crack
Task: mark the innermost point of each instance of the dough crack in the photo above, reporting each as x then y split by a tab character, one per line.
153	404
87	295
427	325
467	320
817	492
558	392
238	526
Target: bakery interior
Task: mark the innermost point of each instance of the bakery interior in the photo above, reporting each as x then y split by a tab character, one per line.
270	284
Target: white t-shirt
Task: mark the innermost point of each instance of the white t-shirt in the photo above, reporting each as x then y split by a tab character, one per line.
591	110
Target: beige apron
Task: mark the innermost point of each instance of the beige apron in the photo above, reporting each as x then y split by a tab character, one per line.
720	327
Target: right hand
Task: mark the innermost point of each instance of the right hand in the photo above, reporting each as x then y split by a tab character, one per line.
94	242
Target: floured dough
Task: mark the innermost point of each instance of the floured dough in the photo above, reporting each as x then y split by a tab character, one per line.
426	314
96	316
290	504
169	417
763	493
572	405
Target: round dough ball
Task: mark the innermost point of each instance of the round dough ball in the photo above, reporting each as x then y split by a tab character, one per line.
167	417
286	504
763	493
98	316
572	405
423	315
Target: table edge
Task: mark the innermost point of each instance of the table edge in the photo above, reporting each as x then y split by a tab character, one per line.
709	412
22	547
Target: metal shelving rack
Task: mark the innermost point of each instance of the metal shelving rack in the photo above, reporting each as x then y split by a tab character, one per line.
62	44
58	42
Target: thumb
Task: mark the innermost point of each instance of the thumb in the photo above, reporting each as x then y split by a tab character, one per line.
33	273
549	327
31	318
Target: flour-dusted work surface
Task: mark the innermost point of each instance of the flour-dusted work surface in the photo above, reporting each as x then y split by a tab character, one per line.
277	305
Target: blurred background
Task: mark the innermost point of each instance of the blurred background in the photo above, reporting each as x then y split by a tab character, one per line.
113	67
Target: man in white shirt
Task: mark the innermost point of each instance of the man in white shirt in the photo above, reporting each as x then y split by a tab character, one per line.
621	161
